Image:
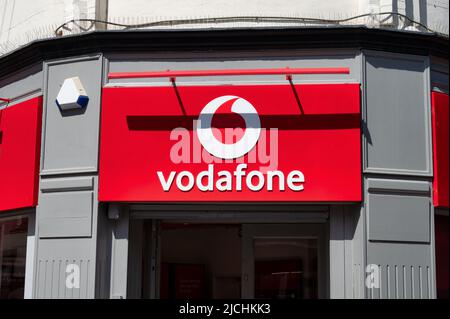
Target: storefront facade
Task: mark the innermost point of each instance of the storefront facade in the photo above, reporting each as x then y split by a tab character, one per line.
282	163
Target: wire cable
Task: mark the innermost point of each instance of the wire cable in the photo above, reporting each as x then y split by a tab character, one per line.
216	20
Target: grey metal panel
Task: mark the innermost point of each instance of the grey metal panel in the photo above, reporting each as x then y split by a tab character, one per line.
241	60
400	239
67	184
234	217
396	113
67	206
30	256
103	257
405	270
202	209
386	185
398	210
59	241
354	250
66	214
54	256
232	213
432	247
119	256
347	246
70	143
337	253
399	218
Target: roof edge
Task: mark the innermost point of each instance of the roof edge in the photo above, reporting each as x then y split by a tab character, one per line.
235	39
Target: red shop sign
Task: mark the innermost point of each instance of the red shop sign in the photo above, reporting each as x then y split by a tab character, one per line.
290	143
20	138
439	105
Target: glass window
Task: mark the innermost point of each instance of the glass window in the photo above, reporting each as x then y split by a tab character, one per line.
183	260
200	261
286	268
442	264
13	244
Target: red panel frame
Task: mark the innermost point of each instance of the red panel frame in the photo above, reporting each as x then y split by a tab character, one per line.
20	127
324	128
226	72
440	120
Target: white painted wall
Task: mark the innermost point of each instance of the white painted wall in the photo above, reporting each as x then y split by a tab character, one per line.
433	13
22	21
163	9
437	15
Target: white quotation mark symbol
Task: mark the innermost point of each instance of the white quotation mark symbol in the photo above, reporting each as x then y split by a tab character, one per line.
373	276
73	276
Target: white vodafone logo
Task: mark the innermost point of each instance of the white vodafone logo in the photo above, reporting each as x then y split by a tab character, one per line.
237	141
222	150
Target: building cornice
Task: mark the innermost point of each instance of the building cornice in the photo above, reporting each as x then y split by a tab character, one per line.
226	40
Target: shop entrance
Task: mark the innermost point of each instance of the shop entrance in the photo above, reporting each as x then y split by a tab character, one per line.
203	260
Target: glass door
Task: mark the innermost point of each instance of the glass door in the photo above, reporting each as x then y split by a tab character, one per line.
284	261
179	259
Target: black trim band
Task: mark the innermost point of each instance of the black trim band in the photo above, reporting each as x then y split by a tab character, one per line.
221	39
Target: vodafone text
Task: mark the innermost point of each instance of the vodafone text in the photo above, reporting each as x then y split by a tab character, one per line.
229	181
